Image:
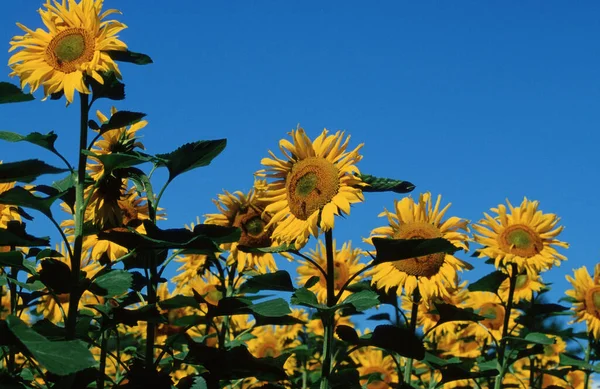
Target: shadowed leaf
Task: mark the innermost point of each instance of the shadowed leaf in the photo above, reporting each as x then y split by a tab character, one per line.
10	93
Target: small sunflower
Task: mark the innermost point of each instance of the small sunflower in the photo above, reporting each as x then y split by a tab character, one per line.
489	305
372	361
313	183
76	45
586	298
246	212
435	275
345	262
525	287
525	237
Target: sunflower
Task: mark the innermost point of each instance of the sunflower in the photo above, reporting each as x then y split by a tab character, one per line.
271	341
489	305
313	183
8	212
435	275
525	287
525	237
245	211
345	262
373	361
586	298
76	45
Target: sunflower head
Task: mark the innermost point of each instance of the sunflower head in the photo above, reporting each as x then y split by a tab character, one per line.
76	46
434	275
585	297
315	181
522	236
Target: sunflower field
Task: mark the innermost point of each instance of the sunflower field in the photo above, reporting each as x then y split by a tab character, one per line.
114	300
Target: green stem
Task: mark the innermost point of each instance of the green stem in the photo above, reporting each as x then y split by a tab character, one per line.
79	218
151	327
328	316
509	304
103	351
413	328
588	352
13	311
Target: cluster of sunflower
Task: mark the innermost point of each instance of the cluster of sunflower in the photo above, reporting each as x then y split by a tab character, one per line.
97	311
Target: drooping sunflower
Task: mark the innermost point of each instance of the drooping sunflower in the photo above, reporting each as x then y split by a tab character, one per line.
372	361
312	183
586	298
525	237
435	275
76	45
345	262
245	211
525	287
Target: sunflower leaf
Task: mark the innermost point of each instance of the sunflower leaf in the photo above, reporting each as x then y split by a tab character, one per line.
14	259
112	88
489	283
21	197
10	93
280	280
121	119
273	308
129	56
464	370
378	184
347	334
56	275
190	156
114	161
14	235
389	250
282	248
45	141
397	339
361	301
26	171
113	283
303	296
60	358
448	312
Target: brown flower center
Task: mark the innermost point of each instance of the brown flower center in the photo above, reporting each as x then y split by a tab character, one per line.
426	265
311	184
592	301
494	314
70	48
252	224
520	240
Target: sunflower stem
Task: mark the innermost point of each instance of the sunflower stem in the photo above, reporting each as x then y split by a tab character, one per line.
413	328
75	293
328	316
151	328
588	352
14	299
509	304
103	353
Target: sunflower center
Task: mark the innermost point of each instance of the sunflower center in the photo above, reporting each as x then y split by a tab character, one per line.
592	301
426	265
252	224
311	184
494	314
268	348
520	240
70	48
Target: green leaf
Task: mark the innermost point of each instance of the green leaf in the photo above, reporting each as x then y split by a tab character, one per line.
60	358
32	286
378	184
114	161
462	371
14	235
280	280
10	93
14	259
179	301
199	383
303	296
347	334
567	360
26	171
121	119
534	338
400	340
397	249
113	283
380	316
56	275
43	140
282	248
47	253
112	88
448	312
272	308
190	156
129	56
312	281
144	187
362	300
276	320
489	283
21	197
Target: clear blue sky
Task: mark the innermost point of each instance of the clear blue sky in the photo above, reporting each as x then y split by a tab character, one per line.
478	101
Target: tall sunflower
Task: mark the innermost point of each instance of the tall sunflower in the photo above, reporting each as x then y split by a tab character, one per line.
245	211
76	45
372	361
312	183
586	298
524	236
345	262
435	275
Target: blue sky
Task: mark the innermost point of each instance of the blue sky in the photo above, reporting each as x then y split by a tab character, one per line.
478	101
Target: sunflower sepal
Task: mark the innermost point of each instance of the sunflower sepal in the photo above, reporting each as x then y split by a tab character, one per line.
10	93
389	250
378	184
